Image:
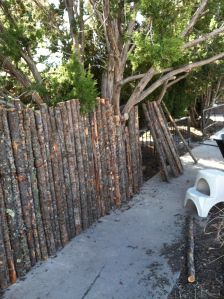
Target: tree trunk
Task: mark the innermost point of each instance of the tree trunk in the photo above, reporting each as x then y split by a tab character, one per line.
107	85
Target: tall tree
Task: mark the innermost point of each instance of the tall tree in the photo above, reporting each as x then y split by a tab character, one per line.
135	49
164	42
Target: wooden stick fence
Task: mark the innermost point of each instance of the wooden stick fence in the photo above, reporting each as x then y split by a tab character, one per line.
163	140
59	172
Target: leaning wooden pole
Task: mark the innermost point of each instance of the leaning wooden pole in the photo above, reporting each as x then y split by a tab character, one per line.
178	131
164	171
190	251
171	152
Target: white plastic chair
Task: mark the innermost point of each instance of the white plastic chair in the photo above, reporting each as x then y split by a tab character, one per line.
208	190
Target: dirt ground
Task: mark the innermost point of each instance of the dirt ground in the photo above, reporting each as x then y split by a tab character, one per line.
209	249
209	259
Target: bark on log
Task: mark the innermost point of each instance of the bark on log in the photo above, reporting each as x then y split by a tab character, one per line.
178	131
82	133
168	144
12	200
43	183
31	176
123	154
65	172
70	145
27	149
34	185
129	162
134	150
20	158
174	148
92	178
97	164
109	171
158	135
190	251
11	272
138	148
103	182
4	275
47	138
79	162
112	138
120	157
103	161
57	170
164	172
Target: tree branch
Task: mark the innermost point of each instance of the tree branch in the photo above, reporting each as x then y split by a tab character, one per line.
204	37
126	47
163	91
138	89
184	69
166	86
32	66
28	58
139	76
9	68
195	17
100	18
177	80
167	77
111	35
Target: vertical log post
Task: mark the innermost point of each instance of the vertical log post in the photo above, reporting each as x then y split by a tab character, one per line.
20	158
134	150
129	162
112	139
79	161
12	202
57	172
120	157
47	136
106	146
40	247
138	148
43	180
4	275
103	182
83	132
73	171
92	178
97	164
65	172
11	271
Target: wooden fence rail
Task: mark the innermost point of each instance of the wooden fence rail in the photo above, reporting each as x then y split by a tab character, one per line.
59	172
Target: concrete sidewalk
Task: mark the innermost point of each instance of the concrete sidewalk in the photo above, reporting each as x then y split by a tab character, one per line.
124	255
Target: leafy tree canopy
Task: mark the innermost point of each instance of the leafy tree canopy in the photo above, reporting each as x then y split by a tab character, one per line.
124	50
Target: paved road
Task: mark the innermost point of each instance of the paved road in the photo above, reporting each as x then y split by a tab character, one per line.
128	254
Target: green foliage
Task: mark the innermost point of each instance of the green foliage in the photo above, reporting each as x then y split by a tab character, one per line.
160	54
37	24
178	99
70	81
